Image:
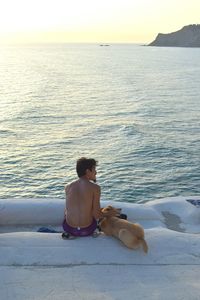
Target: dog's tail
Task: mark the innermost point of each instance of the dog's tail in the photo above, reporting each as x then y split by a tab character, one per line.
144	245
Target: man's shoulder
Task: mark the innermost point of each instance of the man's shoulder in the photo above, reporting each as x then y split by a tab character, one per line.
70	184
89	184
95	186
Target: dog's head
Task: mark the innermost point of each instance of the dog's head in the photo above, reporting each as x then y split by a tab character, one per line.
110	211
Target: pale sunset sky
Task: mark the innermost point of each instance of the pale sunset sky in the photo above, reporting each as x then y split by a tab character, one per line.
100	21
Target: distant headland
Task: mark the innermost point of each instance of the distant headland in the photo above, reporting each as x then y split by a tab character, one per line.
188	36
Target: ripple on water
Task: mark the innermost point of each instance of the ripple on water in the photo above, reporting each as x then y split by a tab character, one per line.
144	129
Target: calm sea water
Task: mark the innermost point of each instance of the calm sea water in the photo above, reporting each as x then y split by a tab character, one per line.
135	109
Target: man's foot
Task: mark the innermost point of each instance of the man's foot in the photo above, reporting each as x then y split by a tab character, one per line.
67	236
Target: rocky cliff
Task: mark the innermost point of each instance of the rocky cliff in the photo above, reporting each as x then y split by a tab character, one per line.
188	36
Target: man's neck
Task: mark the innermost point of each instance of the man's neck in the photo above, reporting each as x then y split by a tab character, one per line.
85	178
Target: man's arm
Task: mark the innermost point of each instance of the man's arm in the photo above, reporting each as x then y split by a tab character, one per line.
96	208
66	190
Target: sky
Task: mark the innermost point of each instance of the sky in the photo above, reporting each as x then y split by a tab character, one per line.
126	21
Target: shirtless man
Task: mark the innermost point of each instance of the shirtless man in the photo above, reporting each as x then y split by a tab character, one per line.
82	200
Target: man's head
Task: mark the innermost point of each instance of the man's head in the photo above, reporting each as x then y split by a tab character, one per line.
86	167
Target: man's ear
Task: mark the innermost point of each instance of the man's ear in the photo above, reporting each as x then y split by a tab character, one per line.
87	172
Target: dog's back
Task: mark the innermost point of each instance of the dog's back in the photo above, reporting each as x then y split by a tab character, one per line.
131	234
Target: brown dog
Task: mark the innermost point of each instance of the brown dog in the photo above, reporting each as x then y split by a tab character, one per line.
131	234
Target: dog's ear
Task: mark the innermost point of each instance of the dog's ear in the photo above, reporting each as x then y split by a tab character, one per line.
109	207
107	210
104	209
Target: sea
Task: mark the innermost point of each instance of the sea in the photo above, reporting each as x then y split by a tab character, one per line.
134	108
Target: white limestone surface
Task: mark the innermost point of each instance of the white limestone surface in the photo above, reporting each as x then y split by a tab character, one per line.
37	265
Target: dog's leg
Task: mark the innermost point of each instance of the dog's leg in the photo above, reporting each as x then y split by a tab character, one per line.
131	241
128	239
104	227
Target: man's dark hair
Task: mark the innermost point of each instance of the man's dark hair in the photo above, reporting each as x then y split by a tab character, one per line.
83	164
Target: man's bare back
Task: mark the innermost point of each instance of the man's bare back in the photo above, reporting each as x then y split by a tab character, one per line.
83	200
